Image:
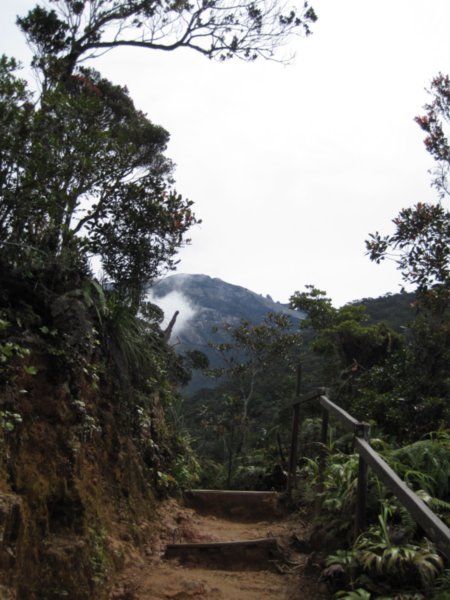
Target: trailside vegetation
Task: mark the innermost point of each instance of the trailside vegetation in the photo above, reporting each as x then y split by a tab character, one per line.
390	370
399	383
84	174
237	426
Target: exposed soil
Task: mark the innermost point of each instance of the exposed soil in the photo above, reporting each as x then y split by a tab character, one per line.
289	576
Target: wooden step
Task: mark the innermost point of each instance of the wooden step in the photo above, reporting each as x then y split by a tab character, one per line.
235	504
244	554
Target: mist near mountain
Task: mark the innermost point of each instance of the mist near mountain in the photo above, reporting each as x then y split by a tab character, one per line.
172	302
204	304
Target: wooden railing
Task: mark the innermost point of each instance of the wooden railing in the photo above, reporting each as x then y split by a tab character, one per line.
434	527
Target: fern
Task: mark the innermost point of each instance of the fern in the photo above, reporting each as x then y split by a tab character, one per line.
425	464
443	582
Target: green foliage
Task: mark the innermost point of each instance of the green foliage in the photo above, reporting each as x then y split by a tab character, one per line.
184	469
91	176
420	245
99	556
435	124
376	565
321	314
245	414
130	341
359	594
341	335
12	355
341	332
391	558
422	240
9	420
397	310
425	464
442	586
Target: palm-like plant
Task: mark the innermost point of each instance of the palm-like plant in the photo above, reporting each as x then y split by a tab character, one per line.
425	464
377	564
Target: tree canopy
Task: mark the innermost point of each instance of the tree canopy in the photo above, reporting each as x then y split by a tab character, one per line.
84	173
435	123
420	244
342	334
77	29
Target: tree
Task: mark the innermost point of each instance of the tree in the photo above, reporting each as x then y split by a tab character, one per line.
421	242
418	377
88	175
434	123
350	345
420	245
254	353
78	29
83	173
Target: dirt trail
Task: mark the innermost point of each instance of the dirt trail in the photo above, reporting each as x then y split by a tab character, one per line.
155	578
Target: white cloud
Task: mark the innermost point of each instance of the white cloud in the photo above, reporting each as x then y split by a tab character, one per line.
170	304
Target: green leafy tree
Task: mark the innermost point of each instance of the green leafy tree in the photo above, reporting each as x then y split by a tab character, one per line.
421	248
420	245
84	174
435	123
253	354
343	336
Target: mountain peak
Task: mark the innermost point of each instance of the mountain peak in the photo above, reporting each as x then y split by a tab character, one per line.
205	303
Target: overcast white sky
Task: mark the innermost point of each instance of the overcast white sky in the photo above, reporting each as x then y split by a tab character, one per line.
290	167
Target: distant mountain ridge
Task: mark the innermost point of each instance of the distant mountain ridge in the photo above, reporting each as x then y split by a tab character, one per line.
221	298
205	303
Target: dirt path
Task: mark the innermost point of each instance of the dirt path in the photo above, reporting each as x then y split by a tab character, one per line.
156	578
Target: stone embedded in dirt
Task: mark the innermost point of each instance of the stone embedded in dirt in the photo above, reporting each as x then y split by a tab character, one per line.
192	589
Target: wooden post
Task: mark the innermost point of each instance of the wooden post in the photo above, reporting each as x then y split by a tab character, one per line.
322	457
291	482
294	450
323	437
362	430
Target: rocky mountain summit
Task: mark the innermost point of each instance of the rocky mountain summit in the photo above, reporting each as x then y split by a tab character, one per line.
204	303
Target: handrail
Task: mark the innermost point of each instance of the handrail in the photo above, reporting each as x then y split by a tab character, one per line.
431	523
433	526
349	422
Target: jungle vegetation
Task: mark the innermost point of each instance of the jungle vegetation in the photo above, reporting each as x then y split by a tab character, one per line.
84	173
